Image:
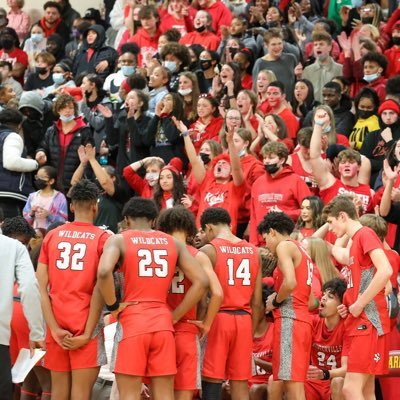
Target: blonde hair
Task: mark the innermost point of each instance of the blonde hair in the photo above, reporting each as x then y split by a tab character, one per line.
319	253
270	75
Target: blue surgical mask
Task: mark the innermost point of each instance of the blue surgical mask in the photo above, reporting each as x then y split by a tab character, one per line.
128	70
171	66
58	78
357	3
371	77
327	129
242	153
67	119
36	37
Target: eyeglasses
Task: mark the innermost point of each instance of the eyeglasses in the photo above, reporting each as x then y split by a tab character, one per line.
233	117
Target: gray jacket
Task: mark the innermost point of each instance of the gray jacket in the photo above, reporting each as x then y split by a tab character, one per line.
16	266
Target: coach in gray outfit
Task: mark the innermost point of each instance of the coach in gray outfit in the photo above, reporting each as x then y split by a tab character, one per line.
16	266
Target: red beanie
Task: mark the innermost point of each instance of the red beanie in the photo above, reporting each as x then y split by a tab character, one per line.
389	105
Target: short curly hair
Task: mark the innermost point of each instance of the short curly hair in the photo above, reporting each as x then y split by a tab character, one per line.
278	221
62	101
138	207
85	191
215	216
180	51
17	226
177	219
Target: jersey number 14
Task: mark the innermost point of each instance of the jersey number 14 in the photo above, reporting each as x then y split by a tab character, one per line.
241	272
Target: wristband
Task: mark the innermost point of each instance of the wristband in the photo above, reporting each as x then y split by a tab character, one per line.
185	133
327	374
275	302
113	307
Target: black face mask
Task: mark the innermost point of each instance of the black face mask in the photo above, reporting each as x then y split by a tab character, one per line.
40	183
367	20
137	24
200	29
396	40
273	24
205	64
233	51
193	65
7	43
271	168
364	114
31	114
205	158
41	70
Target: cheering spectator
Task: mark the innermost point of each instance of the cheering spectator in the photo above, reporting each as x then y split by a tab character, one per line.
17	19
35	44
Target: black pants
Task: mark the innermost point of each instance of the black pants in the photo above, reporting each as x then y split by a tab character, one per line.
5	373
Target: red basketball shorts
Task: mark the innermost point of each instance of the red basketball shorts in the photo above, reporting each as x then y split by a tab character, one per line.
186	360
317	390
229	348
292	348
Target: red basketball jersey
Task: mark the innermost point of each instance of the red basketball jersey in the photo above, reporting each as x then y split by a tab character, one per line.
72	252
262	348
328	346
179	287
296	305
237	268
359	275
148	269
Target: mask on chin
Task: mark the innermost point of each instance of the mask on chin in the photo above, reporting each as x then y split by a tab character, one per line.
200	29
367	20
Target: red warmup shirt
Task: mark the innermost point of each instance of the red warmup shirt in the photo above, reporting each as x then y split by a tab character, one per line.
179	287
148	269
236	267
211	132
247	82
286	190
148	44
296	305
208	40
183	26
72	253
291	122
262	349
225	195
138	184
220	15
359	275
362	191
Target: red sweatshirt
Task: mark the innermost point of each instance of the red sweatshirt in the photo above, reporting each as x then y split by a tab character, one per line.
220	14
211	132
208	40
148	44
138	184
393	56
286	190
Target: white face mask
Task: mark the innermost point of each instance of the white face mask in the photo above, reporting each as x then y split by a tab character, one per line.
152	178
371	77
184	92
171	66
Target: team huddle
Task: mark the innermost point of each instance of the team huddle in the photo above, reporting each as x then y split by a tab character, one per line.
260	336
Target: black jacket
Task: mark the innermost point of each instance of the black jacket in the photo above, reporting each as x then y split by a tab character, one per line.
117	134
68	163
101	53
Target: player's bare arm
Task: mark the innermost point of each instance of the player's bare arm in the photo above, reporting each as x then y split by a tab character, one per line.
317	373
57	332
383	273
196	275
216	295
286	252
113	252
256	300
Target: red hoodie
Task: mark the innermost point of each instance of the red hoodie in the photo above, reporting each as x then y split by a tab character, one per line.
393	56
220	14
286	190
211	132
208	40
138	184
148	44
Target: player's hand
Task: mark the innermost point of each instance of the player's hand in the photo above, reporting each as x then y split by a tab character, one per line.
75	342
121	308
204	329
356	309
145	392
314	373
343	311
59	335
40	344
